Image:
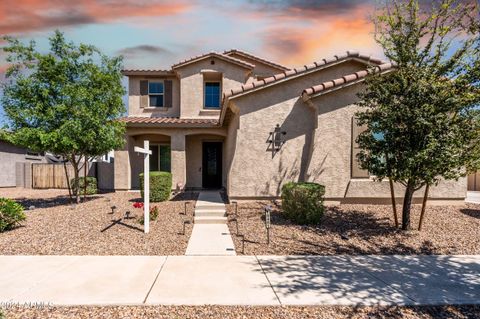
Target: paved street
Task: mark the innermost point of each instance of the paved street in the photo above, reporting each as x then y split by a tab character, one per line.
240	280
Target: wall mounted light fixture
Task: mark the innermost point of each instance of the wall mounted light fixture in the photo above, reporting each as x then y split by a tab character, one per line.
277	139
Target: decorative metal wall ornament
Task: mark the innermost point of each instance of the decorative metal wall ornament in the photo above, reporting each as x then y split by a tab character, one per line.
276	139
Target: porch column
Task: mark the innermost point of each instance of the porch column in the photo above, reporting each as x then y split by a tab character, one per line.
178	160
122	171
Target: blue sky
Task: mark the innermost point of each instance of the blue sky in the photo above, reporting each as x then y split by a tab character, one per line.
156	34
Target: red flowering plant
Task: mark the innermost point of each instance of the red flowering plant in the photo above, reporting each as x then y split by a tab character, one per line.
138	205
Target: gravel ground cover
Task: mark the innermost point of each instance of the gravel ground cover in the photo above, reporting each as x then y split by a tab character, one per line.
358	229
243	312
55	227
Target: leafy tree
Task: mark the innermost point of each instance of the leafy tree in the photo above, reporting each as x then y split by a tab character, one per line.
422	119
64	101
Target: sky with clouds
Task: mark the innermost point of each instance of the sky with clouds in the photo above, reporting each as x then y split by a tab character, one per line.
158	33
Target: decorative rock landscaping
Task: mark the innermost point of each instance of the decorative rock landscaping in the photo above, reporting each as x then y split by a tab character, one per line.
56	227
358	229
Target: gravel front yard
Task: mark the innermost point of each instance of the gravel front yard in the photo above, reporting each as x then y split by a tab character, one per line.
242	312
366	229
55	227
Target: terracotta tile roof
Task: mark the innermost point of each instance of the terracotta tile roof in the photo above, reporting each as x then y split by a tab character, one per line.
167	120
214	54
256	58
296	71
347	79
128	72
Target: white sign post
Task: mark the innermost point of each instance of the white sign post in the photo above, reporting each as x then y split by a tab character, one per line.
146	183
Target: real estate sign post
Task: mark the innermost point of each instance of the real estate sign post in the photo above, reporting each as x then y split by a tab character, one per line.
146	183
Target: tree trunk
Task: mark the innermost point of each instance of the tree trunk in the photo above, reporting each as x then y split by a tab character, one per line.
85	179
68	181
424	205
75	172
407	205
394	203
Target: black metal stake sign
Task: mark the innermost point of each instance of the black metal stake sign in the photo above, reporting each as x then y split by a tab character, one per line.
267	222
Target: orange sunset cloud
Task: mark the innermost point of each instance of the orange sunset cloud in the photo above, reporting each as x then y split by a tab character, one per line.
18	16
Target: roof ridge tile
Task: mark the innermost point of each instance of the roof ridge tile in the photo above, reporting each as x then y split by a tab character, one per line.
299	70
349	78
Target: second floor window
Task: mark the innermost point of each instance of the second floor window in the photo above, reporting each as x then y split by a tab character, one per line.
212	95
155	93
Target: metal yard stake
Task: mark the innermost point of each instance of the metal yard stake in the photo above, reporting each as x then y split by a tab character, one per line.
267	222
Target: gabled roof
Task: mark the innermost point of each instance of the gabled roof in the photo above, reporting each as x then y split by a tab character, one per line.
349	55
256	58
216	55
346	80
167	121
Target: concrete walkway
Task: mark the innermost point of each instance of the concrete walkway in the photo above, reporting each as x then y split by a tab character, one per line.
210	234
240	280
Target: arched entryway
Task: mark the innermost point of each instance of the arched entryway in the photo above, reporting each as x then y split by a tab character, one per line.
205	157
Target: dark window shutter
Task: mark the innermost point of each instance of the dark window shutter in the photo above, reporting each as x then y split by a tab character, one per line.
168	92
144	93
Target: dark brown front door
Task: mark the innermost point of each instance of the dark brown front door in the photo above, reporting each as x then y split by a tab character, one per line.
212	165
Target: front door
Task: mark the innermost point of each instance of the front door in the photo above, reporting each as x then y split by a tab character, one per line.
212	165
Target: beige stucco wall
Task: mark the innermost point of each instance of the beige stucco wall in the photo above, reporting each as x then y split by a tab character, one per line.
134	108
192	79
230	146
259	113
331	155
317	148
122	167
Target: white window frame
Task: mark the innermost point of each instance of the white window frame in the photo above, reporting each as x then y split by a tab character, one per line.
156	94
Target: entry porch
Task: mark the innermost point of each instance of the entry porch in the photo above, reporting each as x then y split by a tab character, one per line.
195	157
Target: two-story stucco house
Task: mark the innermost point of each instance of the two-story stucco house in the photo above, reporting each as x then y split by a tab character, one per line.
236	121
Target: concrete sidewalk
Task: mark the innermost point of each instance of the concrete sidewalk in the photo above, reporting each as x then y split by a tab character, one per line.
240	280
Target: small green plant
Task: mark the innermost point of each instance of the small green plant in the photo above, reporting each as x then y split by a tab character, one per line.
153	215
78	185
2	316
11	214
160	186
302	203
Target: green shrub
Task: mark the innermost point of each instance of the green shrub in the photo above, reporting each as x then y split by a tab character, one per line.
11	214
160	186
78	183
302	203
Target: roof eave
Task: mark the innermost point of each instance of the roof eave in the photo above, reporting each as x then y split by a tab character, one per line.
147	73
244	65
172	125
256	58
